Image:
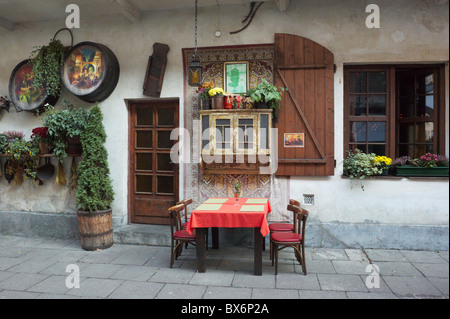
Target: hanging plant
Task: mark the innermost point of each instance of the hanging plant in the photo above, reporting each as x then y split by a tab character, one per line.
47	62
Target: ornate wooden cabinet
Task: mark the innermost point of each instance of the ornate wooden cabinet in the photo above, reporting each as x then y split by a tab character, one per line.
235	141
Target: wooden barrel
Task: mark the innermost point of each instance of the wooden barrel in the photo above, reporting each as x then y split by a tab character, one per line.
21	91
96	231
91	71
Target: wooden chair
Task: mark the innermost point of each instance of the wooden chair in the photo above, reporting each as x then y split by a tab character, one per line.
294	239
184	224
283	227
179	236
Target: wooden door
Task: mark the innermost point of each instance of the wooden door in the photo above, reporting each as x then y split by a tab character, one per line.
153	177
306	69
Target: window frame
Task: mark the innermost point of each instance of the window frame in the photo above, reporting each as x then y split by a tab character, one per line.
392	120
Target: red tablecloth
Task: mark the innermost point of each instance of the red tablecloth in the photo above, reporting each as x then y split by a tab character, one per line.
229	215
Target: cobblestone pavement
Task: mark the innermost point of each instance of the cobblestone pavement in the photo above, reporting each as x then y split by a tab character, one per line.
41	268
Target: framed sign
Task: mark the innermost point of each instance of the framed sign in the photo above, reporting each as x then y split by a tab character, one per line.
294	139
236	77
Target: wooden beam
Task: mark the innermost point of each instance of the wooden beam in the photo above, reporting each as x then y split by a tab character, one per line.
6	24
129	10
282	5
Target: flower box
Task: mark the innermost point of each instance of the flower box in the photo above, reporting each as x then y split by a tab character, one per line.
414	171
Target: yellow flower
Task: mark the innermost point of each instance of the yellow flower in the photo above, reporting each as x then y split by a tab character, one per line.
216	91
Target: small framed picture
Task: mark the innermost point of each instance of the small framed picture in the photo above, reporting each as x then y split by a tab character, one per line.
236	77
294	139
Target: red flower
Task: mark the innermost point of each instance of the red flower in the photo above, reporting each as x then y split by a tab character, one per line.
40	132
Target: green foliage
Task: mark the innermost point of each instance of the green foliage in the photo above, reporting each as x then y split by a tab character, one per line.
359	165
95	190
61	124
24	156
3	143
266	92
47	62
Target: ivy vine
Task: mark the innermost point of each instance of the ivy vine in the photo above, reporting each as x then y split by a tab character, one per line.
47	62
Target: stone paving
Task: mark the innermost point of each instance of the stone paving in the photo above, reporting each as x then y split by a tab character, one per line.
33	268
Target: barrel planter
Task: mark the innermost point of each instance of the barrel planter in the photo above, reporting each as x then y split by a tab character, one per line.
90	72
96	231
21	91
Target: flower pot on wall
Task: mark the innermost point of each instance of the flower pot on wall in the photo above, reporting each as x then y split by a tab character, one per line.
217	102
74	146
205	104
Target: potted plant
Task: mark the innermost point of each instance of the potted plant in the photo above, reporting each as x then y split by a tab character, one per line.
40	135
266	95
64	128
23	159
3	144
13	135
431	165
383	162
47	62
94	193
216	95
237	188
205	99
358	166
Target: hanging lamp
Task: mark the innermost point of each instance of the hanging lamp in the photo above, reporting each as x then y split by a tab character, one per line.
195	69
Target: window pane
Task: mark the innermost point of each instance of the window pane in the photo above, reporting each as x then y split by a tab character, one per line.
165	184
377	104
362	147
358	104
264	132
164	140
165	117
406	85
425	83
164	162
424	132
205	127
425	106
406	133
406	107
406	150
377	132
144	116
144	139
377	82
377	149
144	161
358	82
144	183
358	132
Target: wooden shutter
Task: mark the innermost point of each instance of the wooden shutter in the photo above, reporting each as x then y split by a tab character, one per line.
306	69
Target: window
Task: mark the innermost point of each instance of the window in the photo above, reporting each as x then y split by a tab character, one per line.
394	110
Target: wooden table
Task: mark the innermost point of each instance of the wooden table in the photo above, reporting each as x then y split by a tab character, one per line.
230	213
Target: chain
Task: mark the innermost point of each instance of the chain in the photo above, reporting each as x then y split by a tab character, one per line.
196	9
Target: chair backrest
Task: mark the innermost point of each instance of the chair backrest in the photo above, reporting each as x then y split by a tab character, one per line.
185	202
294	202
302	216
296	210
174	217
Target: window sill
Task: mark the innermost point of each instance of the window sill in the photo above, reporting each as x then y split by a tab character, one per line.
392	177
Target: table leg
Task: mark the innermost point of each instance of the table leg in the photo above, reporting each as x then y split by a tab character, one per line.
258	251
215	237
200	249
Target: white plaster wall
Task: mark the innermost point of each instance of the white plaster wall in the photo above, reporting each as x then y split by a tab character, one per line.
411	31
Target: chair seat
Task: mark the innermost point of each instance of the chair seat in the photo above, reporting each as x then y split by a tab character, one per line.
183	234
286	237
283	227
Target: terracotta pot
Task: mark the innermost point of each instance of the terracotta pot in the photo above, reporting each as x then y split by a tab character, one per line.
43	148
217	102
